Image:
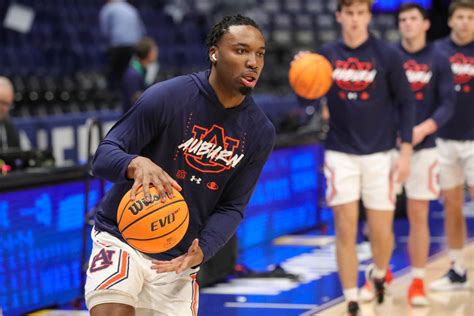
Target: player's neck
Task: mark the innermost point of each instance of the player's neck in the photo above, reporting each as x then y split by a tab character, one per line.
354	40
415	44
461	40
228	100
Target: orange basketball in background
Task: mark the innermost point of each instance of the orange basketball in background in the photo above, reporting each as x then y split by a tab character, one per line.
152	227
310	76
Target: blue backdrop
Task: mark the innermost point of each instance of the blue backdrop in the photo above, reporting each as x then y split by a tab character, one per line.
40	228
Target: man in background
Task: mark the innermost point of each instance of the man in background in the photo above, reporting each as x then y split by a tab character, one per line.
369	90
430	77
122	28
133	81
456	141
8	134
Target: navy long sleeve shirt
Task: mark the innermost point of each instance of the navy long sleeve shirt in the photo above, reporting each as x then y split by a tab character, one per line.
461	124
215	154
431	80
370	91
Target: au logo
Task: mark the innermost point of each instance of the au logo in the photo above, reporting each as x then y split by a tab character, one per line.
353	74
102	260
462	67
210	150
419	75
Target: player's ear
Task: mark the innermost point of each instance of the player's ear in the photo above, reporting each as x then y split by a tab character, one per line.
426	24
213	54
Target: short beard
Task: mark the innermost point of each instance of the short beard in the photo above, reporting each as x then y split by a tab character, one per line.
245	90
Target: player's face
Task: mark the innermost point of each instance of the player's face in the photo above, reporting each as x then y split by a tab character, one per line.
6	100
412	25
462	23
240	57
153	55
354	19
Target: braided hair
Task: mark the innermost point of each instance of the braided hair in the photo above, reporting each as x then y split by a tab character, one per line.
222	27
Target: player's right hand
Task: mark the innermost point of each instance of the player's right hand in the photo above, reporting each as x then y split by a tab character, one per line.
300	54
146	172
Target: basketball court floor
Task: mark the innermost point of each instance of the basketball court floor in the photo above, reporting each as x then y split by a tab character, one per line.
317	290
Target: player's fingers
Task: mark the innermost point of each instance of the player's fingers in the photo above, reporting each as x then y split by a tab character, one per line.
173	184
146	189
162	269
299	55
133	191
161	191
183	267
168	187
176	185
194	246
166	190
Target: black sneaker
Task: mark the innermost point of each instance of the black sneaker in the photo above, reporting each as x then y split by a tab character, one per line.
353	308
452	281
379	285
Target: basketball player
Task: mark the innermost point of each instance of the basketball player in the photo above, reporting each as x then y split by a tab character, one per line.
369	89
202	134
430	77
456	140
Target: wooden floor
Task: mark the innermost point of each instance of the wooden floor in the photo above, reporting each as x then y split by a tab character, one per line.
460	303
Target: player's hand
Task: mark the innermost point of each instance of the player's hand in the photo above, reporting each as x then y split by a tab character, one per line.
401	168
300	54
146	172
192	258
422	130
418	135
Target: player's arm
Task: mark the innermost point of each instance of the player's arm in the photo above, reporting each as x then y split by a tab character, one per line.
405	100
118	159
225	219
445	101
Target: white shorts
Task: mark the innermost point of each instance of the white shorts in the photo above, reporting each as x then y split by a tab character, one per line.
456	163
352	177
118	273
423	182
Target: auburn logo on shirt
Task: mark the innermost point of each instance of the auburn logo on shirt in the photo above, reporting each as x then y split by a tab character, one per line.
419	75
210	150
353	75
462	67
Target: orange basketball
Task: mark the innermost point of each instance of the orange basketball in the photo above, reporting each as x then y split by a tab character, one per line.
310	76
152	227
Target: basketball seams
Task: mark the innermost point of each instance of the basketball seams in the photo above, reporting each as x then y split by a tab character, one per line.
155	210
311	76
305	64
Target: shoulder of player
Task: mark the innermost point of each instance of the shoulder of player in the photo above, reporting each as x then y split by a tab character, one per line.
329	48
390	55
261	125
441	42
387	48
171	90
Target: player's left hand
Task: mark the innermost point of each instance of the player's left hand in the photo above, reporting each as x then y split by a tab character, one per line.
422	130
401	168
192	258
418	135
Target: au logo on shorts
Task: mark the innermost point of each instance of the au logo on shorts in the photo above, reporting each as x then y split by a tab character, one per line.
102	260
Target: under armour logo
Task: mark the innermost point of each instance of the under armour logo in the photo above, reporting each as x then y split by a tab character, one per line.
197	180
